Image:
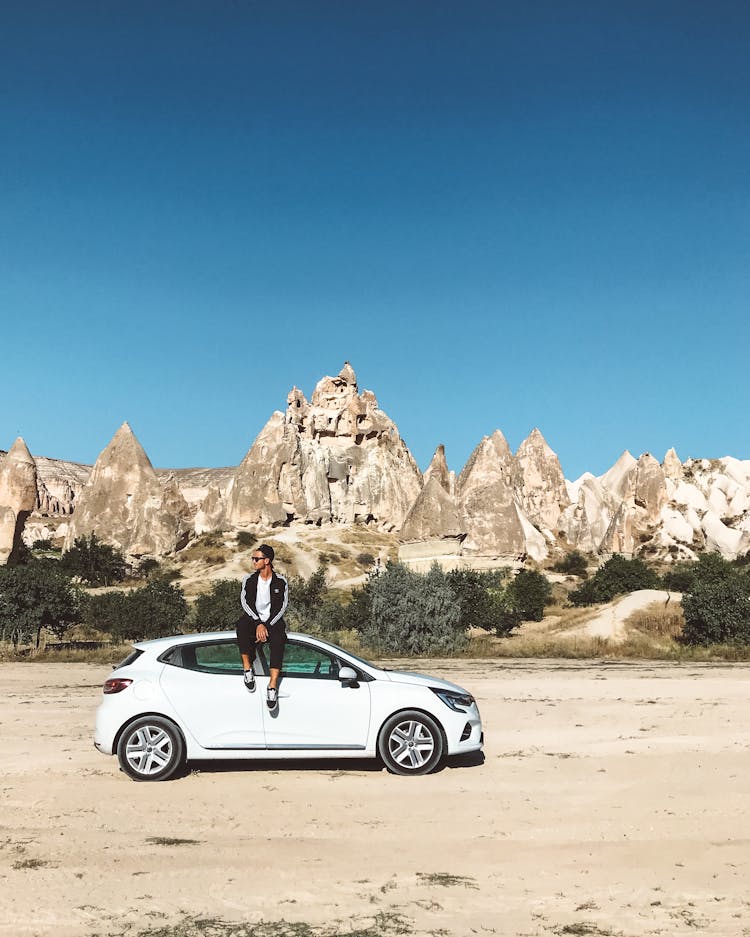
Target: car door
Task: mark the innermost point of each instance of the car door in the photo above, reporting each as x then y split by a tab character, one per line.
204	683
315	710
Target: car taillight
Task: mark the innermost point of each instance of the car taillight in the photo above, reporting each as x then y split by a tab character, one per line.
116	685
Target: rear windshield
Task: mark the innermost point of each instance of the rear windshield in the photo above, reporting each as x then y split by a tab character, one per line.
132	656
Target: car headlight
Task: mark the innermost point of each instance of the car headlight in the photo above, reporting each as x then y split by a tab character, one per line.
458	702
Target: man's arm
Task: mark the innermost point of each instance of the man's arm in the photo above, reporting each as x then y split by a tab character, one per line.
284	602
244	599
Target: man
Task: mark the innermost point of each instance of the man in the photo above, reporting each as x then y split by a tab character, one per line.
264	598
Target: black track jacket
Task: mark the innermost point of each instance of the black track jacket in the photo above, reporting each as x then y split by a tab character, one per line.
279	597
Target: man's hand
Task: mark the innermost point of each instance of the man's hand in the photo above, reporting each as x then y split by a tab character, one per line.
261	633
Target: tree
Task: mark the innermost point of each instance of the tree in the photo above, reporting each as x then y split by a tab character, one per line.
716	603
480	598
573	564
527	594
155	610
95	562
109	612
617	576
218	609
34	598
413	614
305	599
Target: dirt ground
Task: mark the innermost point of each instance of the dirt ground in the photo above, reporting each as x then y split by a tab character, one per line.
612	800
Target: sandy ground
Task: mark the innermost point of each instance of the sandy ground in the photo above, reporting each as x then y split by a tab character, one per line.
612	800
609	622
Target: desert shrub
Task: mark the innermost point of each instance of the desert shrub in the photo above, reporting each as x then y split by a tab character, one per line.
412	613
97	563
36	598
147	568
617	576
480	597
716	604
680	578
245	539
572	564
44	544
218	609
313	608
109	612
155	610
527	594
366	560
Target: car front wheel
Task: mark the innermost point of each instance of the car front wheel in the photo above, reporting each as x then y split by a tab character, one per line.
151	749
411	742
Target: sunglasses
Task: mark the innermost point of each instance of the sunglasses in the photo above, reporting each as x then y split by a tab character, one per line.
257	559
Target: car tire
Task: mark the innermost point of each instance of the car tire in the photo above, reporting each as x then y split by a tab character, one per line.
411	742
151	748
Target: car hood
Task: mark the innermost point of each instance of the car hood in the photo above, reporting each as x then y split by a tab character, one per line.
421	679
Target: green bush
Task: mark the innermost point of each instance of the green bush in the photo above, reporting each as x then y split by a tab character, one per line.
716	603
412	614
44	545
617	576
35	598
527	594
147	568
109	612
245	539
95	562
153	611
219	609
572	564
480	597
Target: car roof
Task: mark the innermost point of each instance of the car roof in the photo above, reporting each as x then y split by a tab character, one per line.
154	644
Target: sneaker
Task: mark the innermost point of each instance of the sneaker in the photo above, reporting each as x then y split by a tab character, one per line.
250	680
272	697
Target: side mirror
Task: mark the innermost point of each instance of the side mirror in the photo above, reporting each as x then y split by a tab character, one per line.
348	676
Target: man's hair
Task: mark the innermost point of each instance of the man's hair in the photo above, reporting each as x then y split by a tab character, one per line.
266	551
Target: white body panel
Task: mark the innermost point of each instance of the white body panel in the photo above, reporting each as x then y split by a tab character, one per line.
316	718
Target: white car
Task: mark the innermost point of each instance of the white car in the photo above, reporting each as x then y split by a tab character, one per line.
184	698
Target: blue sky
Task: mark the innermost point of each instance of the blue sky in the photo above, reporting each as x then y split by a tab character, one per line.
504	214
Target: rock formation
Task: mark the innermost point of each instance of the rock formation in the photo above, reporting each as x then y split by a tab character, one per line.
17	497
487	489
335	459
125	504
650	492
434	516
438	468
543	494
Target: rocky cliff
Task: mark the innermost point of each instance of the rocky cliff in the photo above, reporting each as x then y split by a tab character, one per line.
335	459
339	459
17	497
126	504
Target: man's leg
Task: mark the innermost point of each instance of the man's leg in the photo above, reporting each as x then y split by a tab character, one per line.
276	640
246	643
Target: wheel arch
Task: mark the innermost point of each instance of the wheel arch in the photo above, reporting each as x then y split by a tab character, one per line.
126	725
412	709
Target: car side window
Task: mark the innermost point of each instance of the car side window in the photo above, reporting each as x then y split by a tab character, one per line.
213	657
302	660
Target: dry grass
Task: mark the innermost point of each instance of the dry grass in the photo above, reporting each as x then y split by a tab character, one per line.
658	620
63	654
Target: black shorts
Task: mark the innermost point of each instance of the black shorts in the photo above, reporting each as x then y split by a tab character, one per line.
276	639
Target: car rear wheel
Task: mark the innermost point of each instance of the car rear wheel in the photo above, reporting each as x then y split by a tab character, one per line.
151	749
411	742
